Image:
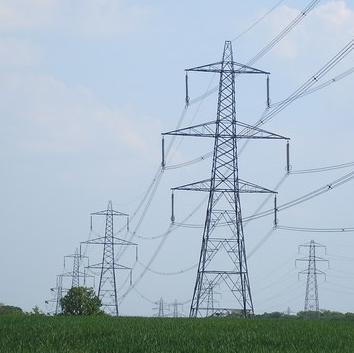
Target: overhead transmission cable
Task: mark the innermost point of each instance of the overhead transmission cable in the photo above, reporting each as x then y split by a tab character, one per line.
270	113
306	197
303	13
157	250
172	273
300	95
325	84
260	19
259	55
316	230
263	52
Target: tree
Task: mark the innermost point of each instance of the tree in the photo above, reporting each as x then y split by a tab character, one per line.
8	309
36	311
80	301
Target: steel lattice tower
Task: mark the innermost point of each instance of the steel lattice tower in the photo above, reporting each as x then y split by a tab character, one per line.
161	308
223	254
76	274
312	271
107	290
210	301
59	294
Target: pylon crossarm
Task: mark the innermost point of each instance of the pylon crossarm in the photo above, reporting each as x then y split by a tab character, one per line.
253	132
232	67
247	187
309	244
205	185
209	130
317	272
109	267
120	241
66	274
200	130
109	213
101	240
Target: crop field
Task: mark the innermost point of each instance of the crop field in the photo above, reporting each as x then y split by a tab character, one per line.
109	335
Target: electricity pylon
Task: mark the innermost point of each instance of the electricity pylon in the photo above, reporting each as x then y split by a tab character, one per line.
210	300
58	291
160	308
176	312
312	271
223	254
107	290
76	274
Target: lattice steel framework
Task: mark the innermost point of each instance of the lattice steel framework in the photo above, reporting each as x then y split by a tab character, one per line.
107	290
312	271
76	274
223	255
160	308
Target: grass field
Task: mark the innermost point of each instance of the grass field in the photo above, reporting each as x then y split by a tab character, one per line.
109	335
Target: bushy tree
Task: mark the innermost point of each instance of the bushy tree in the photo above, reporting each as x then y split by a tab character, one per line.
8	309
81	301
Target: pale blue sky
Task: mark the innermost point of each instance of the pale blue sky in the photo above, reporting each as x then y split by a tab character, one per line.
88	86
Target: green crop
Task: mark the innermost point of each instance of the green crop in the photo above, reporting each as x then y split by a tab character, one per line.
102	334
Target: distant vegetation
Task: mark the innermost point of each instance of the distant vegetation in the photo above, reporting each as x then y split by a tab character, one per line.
81	301
308	315
104	334
8	309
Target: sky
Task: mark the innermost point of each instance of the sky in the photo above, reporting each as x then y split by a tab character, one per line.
88	86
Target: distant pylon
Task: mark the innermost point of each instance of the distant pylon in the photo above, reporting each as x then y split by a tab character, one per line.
160	308
210	300
222	259
175	309
176	312
312	271
59	294
76	274
107	290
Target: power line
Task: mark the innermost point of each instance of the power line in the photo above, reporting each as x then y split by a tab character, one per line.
315	230
320	86
310	6
269	47
306	197
260	19
270	113
323	169
172	273
224	189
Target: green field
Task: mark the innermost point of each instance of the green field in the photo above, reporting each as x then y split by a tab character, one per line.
109	335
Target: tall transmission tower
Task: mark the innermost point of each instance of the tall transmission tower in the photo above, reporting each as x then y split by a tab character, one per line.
107	290
222	257
76	274
58	291
175	309
160	308
311	272
210	300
